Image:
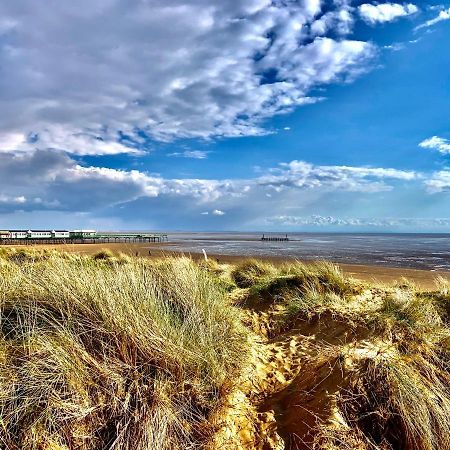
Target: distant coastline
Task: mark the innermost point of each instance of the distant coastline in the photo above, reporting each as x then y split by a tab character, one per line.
414	251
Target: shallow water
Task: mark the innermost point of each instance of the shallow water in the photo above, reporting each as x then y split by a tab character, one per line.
420	251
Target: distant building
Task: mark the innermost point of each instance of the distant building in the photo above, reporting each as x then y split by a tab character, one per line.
47	234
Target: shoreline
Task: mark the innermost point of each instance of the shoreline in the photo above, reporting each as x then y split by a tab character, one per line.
376	274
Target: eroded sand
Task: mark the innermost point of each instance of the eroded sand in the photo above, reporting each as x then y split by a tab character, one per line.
287	396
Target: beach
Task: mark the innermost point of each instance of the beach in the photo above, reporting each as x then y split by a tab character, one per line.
373	273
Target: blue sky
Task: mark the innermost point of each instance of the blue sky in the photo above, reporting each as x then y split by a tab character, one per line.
257	115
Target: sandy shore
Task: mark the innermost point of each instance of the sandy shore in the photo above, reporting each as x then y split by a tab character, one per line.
424	279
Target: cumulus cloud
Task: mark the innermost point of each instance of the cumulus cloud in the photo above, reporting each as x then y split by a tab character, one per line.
302	175
104	76
439	182
444	14
52	180
56	137
385	12
63	184
45	181
12	200
437	143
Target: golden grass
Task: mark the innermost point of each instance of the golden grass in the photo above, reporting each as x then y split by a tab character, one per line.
117	352
104	355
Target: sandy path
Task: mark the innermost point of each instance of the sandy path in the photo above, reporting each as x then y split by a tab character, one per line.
290	386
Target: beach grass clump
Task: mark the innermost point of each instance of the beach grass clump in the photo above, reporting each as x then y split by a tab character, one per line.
411	318
397	401
112	356
441	298
23	254
108	257
252	272
220	272
103	254
312	302
321	276
301	288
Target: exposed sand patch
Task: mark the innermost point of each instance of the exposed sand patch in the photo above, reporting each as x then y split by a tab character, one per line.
288	394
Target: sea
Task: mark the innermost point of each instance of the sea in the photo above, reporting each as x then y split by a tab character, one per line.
418	251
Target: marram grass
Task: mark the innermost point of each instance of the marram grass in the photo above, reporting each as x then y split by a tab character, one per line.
116	352
96	354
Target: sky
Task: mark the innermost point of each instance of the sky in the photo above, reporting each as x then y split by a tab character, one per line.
202	115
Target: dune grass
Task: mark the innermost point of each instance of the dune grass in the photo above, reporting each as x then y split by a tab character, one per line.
100	355
395	395
117	352
400	402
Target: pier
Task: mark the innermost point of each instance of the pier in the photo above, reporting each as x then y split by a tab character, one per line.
275	238
98	239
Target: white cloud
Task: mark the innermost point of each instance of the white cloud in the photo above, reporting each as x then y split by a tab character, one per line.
100	76
44	181
437	143
193	154
56	137
52	181
215	212
439	182
444	14
318	221
302	175
340	21
12	200
395	47
385	12
62	183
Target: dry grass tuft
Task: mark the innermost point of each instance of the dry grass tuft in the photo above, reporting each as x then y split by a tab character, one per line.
304	288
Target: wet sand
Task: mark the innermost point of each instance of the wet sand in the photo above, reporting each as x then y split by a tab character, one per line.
424	279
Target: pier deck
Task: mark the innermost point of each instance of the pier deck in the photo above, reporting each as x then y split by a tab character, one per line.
274	238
